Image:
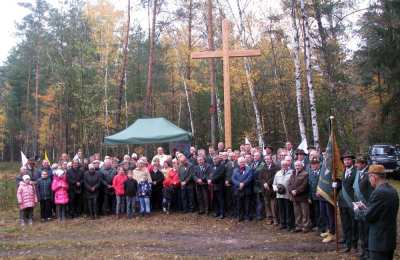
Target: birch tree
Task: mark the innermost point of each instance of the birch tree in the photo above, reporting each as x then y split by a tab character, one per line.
247	68
307	57
296	60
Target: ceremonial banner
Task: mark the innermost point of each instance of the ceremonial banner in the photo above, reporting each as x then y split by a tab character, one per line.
332	166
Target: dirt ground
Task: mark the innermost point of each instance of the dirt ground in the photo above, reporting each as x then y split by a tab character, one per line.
158	236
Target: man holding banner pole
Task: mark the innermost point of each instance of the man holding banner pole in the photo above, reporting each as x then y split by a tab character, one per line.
327	185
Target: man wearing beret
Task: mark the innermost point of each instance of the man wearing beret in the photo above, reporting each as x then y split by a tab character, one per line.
346	198
380	213
362	192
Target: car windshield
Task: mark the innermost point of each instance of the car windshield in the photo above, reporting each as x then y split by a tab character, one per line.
383	150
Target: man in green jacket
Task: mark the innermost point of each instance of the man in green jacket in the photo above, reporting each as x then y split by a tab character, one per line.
381	215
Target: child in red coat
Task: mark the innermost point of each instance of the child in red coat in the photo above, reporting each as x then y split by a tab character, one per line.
27	199
118	185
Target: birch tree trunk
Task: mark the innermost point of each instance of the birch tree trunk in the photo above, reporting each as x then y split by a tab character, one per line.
211	69
189	108
259	127
152	34
186	92
247	67
307	50
296	59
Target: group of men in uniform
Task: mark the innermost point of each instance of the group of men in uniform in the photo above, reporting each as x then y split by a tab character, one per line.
368	207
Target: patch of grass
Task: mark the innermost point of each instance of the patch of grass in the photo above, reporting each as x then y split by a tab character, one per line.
9	166
8	171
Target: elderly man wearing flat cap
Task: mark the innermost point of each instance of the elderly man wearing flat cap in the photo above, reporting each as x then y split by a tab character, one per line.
346	198
362	191
380	213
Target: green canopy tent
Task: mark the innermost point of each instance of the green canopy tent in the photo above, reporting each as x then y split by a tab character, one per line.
149	131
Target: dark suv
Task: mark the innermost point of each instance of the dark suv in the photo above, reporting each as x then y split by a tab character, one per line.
386	155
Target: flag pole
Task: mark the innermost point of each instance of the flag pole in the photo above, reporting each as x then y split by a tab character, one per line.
334	180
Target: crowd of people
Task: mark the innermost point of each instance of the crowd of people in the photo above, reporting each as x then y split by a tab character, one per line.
249	184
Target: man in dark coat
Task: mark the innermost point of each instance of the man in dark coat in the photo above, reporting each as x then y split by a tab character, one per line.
298	193
362	192
217	179
210	156
107	175
185	172
241	179
92	182
346	198
75	183
259	170
156	191
228	198
201	174
267	178
314	172
381	215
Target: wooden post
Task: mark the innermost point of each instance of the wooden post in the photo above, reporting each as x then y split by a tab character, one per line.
334	178
227	89
225	54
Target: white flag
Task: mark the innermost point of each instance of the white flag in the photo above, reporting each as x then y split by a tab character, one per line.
303	146
246	141
76	157
24	160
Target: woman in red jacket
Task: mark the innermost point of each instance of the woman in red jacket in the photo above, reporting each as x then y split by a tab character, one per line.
170	185
118	185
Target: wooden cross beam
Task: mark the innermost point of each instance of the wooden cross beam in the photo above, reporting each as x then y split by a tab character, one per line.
225	54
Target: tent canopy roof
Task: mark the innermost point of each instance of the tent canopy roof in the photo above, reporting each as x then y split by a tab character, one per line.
149	131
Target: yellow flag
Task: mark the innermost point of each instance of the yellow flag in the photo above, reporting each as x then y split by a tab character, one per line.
45	156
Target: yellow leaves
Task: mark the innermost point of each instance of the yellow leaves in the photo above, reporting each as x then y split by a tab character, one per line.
105	21
48	112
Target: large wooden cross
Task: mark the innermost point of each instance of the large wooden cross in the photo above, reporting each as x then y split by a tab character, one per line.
225	54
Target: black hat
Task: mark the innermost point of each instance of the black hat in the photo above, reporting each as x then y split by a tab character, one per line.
347	155
269	147
281	189
362	159
300	151
314	160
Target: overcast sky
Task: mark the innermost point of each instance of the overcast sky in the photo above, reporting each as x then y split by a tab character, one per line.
11	12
